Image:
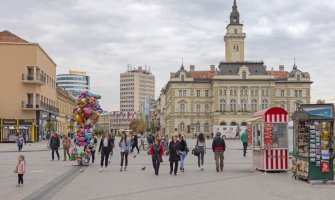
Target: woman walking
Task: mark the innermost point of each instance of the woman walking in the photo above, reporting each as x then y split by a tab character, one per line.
125	147
201	146
174	148
182	152
54	144
20	170
66	146
156	152
105	148
92	146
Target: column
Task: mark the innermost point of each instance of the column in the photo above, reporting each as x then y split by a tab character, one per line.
34	97
35	73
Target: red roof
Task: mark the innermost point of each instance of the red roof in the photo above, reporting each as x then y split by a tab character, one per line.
6	36
202	74
278	74
274	110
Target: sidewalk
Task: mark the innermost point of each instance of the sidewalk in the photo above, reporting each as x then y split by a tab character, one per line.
29	147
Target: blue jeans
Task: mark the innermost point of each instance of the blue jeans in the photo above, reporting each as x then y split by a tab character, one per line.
182	155
245	146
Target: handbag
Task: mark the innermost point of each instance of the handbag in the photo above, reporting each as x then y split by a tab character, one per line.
196	151
160	159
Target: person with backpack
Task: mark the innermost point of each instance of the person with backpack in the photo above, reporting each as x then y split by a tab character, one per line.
174	149
244	139
54	144
183	152
156	152
200	147
104	148
218	147
125	147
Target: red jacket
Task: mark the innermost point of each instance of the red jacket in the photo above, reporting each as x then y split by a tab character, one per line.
160	150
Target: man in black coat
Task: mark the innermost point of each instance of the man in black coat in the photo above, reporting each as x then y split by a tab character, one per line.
54	144
218	146
135	144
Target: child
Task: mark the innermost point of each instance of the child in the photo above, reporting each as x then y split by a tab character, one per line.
20	170
294	168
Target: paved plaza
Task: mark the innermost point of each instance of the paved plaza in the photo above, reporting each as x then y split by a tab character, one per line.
61	180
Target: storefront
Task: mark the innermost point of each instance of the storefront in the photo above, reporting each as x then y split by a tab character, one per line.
314	142
11	128
268	134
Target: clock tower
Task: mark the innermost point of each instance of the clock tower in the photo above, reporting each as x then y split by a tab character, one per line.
234	38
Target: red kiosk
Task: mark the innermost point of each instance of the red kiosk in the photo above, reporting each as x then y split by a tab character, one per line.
269	131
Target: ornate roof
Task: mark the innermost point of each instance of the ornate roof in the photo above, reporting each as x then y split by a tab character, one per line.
255	68
182	69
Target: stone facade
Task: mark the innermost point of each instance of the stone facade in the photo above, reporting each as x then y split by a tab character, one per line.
194	101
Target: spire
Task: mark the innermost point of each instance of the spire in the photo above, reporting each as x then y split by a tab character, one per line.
182	63
294	66
234	15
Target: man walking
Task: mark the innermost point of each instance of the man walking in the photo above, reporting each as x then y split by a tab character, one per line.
218	146
66	146
135	143
54	144
244	139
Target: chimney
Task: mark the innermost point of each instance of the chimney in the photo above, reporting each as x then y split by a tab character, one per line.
281	67
212	68
192	68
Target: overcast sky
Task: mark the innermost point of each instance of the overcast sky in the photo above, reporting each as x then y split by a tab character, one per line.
102	37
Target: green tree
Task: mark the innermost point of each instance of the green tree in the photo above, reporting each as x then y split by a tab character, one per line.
49	126
137	126
98	131
153	126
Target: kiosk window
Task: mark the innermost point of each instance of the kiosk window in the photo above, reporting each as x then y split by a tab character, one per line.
280	136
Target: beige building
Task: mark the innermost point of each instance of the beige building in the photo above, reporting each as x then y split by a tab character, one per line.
28	87
195	101
114	121
135	85
65	119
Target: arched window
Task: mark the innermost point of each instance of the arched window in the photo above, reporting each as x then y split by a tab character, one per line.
182	108
243	105
206	108
223	124
244	124
197	127
233	123
254	105
222	105
206	128
244	75
198	108
182	127
264	104
233	105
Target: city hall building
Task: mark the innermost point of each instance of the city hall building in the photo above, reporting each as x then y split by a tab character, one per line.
194	101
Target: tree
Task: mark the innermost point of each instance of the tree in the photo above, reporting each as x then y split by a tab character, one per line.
153	126
98	131
137	125
49	126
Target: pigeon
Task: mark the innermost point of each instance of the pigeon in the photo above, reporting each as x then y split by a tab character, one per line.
143	168
134	156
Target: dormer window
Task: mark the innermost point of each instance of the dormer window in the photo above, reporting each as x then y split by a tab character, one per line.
244	75
298	77
182	78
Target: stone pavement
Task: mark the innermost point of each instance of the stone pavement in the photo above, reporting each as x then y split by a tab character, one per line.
60	180
29	147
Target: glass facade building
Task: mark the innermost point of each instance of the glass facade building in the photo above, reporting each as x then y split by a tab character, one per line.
75	83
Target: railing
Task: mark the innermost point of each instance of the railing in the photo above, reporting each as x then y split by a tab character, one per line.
30	77
39	106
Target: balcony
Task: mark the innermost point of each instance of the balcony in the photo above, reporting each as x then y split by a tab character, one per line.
30	79
29	106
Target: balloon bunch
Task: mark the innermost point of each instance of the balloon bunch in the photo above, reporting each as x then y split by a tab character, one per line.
87	114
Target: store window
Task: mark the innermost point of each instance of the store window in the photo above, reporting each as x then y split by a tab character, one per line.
280	135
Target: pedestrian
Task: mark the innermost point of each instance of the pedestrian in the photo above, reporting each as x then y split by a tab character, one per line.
24	135
150	139
20	142
92	146
20	169
218	147
244	139
105	148
174	149
156	152
66	146
183	152
201	146
125	147
135	144
112	139
54	144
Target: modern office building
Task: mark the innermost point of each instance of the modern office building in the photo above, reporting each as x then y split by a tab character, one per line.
28	88
74	82
135	86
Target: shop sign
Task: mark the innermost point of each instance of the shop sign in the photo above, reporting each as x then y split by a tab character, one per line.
9	122
268	134
325	167
26	121
319	111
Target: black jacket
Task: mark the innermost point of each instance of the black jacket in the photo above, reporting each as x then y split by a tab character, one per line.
183	145
54	142
219	145
109	147
174	148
